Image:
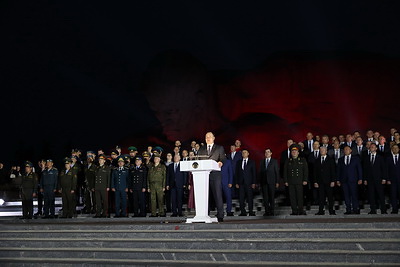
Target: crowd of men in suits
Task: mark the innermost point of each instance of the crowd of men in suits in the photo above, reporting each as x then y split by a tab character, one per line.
317	170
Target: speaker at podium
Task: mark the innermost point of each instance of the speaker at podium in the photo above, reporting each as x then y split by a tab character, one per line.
201	169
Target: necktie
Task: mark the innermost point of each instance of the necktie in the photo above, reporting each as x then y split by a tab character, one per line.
395	159
176	166
372	159
309	145
359	150
347	160
336	155
323	160
267	163
316	154
244	164
209	150
381	148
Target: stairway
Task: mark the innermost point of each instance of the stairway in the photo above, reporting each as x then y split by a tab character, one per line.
119	242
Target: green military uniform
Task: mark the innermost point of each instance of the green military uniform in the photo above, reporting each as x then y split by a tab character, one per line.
68	182
90	179
156	183
29	185
102	182
295	173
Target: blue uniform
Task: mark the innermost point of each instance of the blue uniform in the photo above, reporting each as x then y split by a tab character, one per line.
119	181
48	182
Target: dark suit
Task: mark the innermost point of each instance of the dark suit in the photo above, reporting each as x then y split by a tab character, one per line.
269	176
285	155
227	178
394	178
217	154
238	156
386	150
336	156
358	153
374	173
308	149
176	180
324	175
351	145
349	175
311	194
245	178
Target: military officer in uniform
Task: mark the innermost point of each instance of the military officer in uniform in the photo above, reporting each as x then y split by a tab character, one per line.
48	186
90	178
101	187
132	153
137	186
295	175
119	185
68	183
28	190
156	181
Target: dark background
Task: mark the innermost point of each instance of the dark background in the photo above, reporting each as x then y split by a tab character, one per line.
80	74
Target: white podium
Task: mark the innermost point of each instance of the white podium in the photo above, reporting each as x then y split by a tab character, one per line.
201	181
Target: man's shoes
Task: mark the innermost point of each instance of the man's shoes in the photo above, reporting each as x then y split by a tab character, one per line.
180	215
302	213
37	213
116	216
96	216
347	213
372	212
384	212
320	213
46	217
174	215
220	219
229	214
163	215
153	215
356	211
63	217
294	213
252	213
242	214
332	213
394	212
22	218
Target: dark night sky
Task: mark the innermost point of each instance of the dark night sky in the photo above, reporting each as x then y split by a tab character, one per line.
70	72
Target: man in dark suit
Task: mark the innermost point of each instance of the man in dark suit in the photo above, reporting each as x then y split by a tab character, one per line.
349	142
349	175
383	148
324	180
245	180
393	167
359	148
285	155
311	195
375	177
269	175
325	142
176	183
234	156
308	144
217	153
227	182
336	152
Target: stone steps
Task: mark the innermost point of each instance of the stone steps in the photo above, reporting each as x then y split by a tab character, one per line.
117	242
